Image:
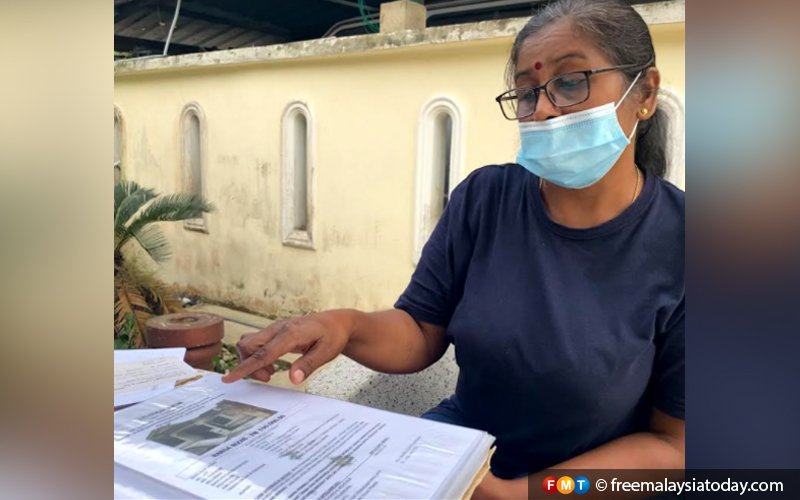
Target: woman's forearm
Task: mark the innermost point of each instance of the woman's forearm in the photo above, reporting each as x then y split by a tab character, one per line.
388	341
391	342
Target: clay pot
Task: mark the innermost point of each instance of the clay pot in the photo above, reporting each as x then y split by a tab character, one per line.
200	333
202	357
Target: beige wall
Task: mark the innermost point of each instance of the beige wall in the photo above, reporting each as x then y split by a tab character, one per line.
365	106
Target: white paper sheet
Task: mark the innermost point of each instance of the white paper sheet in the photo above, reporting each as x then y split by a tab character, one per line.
140	374
129	485
248	440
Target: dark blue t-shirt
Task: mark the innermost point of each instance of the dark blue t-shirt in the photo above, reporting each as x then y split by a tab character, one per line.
565	338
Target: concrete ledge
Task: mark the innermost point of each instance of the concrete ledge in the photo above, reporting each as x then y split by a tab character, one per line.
256	322
411	394
655	13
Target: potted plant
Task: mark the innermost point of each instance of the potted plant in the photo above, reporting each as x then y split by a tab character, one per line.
138	293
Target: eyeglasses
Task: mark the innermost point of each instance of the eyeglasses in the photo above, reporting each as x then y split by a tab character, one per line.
563	90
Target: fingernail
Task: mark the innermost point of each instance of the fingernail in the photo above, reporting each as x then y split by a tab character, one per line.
299	376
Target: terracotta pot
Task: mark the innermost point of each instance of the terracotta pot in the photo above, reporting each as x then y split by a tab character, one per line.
200	333
202	358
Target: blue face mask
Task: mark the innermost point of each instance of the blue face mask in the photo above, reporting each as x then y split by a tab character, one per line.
575	150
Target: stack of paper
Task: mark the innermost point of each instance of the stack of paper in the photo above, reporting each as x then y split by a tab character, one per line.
248	440
140	374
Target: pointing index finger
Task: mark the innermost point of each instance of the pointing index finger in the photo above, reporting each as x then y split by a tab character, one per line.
257	361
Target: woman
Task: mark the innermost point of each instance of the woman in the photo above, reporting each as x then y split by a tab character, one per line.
559	279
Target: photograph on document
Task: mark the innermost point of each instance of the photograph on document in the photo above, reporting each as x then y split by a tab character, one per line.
210	429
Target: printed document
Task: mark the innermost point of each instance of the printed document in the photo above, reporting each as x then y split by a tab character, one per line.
249	440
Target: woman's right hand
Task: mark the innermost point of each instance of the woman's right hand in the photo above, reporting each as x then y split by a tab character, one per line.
318	337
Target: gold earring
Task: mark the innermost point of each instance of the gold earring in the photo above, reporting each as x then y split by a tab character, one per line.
644	111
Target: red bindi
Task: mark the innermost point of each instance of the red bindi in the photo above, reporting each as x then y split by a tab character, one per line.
537	66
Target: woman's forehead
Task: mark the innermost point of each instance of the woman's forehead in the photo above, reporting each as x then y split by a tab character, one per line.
555	43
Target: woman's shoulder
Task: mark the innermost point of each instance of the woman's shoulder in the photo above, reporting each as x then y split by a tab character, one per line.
492	180
485	189
672	198
495	172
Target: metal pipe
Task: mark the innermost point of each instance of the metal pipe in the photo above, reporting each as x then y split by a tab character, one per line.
352	22
478	6
172	27
454	7
346	3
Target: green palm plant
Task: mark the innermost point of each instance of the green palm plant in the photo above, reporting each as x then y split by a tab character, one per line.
138	294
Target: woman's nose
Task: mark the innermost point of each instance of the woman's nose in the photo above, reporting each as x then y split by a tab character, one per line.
544	109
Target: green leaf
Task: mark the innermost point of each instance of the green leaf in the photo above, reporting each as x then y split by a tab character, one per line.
129	198
170	208
154	243
176	207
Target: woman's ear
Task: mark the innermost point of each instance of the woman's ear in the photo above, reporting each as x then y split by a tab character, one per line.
651	82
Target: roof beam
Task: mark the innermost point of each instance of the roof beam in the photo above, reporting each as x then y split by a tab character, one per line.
235	19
